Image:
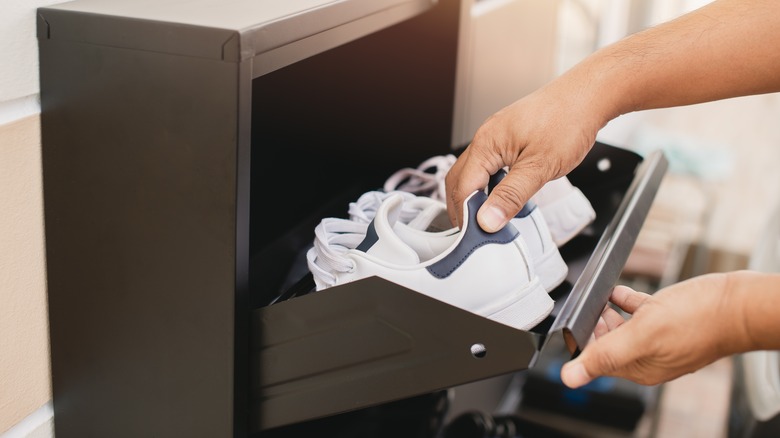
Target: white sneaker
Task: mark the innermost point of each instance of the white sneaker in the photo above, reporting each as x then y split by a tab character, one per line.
486	274
427	214
565	208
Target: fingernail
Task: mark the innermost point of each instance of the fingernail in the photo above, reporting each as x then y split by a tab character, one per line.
491	218
574	375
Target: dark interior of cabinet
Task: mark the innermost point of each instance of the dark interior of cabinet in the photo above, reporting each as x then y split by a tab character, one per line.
338	124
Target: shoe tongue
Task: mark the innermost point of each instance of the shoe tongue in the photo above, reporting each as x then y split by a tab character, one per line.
430	215
385	244
430	218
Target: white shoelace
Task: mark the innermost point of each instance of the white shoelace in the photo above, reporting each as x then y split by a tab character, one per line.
332	238
364	209
335	236
427	179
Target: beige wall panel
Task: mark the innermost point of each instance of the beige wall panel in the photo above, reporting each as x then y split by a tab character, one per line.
24	346
509	51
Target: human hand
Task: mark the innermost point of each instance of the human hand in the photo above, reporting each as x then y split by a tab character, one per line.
543	136
540	137
676	331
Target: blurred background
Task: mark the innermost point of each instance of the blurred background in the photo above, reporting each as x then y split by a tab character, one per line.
713	212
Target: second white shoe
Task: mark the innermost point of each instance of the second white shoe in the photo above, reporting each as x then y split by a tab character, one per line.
565	208
487	274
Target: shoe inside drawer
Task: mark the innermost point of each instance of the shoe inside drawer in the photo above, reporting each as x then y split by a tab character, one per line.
372	341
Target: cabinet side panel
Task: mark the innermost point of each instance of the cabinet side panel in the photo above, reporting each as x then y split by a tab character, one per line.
139	168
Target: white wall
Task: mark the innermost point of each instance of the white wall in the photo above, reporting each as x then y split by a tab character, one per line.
507	49
25	378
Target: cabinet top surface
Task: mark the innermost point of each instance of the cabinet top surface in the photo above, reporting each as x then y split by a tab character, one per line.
230	30
238	15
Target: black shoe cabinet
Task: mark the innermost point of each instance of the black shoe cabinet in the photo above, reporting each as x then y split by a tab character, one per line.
176	138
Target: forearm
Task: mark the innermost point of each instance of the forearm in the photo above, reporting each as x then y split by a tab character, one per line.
756	321
727	48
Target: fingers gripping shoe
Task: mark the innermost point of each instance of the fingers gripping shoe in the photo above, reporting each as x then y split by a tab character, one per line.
486	274
565	208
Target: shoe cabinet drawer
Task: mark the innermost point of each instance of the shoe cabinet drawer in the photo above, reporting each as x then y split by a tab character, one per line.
316	354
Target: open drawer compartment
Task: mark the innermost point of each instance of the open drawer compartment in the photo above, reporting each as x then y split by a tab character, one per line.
372	341
168	231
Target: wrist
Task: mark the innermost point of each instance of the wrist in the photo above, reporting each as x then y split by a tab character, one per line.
751	307
606	85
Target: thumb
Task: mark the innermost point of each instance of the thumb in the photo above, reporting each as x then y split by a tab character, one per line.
574	374
507	198
610	355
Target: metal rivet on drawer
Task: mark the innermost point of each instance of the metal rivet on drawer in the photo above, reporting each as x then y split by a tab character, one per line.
478	350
